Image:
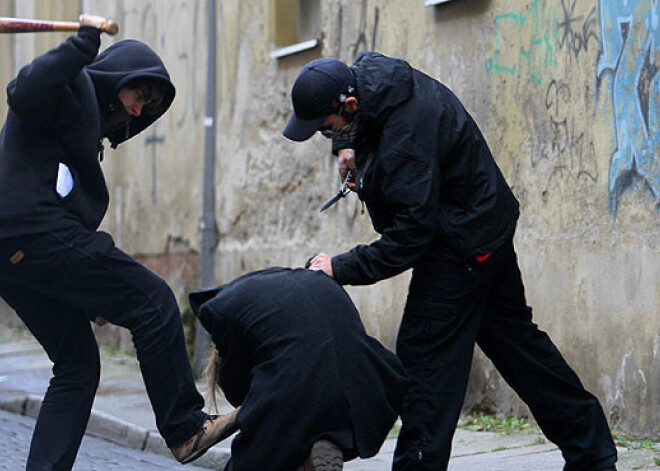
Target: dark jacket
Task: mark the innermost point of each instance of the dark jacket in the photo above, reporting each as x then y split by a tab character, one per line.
58	110
425	173
297	359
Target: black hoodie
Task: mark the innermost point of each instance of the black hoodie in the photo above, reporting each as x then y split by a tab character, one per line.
58	108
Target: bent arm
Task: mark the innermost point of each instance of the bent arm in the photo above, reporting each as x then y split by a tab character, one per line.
43	87
398	249
410	188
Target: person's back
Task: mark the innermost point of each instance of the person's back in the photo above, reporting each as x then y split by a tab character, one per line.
439	166
296	358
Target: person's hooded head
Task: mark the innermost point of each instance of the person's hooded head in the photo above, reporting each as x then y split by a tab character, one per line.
132	87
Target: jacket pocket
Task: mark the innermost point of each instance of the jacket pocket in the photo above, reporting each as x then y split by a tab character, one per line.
73	192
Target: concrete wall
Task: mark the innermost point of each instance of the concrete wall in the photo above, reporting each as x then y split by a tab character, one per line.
566	92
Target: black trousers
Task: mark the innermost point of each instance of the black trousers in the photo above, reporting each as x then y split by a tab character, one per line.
451	306
56	283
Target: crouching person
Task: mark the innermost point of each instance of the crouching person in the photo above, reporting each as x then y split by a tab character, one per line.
314	389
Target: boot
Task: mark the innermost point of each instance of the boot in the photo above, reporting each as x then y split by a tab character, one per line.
215	429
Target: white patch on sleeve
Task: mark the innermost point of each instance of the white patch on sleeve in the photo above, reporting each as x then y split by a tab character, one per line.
64	181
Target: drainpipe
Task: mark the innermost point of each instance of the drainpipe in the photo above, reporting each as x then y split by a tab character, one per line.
208	223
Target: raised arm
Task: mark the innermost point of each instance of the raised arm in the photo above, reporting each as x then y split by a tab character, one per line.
46	85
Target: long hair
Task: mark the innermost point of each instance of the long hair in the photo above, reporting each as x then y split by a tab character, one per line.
211	374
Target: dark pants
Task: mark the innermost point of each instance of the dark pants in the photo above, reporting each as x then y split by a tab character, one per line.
56	283
451	306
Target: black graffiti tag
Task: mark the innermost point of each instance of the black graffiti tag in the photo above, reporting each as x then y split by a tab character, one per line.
569	154
576	31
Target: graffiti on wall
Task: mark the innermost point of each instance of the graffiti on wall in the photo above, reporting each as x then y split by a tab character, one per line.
630	55
362	42
569	153
576	31
527	43
530	45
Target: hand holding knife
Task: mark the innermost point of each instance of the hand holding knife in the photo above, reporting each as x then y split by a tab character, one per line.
343	191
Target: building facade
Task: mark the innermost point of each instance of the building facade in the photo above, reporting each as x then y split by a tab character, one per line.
567	94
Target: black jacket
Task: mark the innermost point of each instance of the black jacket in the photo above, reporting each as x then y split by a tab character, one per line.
58	110
297	359
425	173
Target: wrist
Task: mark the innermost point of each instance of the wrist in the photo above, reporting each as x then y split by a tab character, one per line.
91	32
340	144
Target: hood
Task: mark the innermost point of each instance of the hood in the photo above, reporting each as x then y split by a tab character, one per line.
226	297
118	65
227	292
383	83
198	298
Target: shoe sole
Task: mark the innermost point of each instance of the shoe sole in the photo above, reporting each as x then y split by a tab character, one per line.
326	456
229	430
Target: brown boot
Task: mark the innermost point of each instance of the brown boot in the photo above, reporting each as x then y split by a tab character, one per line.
325	456
215	429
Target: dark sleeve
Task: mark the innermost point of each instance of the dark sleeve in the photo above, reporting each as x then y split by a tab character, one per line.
340	144
235	368
409	187
43	90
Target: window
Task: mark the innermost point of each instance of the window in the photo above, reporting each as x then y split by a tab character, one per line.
297	26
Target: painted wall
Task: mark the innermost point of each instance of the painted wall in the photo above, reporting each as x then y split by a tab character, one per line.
566	92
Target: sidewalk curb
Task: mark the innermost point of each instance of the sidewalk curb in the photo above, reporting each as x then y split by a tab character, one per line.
117	431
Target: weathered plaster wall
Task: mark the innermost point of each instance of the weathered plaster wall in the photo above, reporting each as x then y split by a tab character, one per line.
567	107
154	179
566	92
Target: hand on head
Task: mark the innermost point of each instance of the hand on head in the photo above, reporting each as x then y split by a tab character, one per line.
322	262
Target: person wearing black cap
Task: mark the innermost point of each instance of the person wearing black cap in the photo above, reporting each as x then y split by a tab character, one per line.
442	207
58	272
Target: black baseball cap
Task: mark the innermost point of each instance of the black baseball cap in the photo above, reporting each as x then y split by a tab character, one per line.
319	91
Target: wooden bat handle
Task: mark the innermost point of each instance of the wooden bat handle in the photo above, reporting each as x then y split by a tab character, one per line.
18	25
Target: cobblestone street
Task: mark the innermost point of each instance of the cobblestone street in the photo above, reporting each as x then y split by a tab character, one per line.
95	454
122	415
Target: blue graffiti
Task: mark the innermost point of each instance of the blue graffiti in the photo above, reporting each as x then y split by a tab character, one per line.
630	53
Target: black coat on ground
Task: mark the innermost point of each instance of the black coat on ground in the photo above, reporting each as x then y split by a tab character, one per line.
297	358
424	171
59	110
